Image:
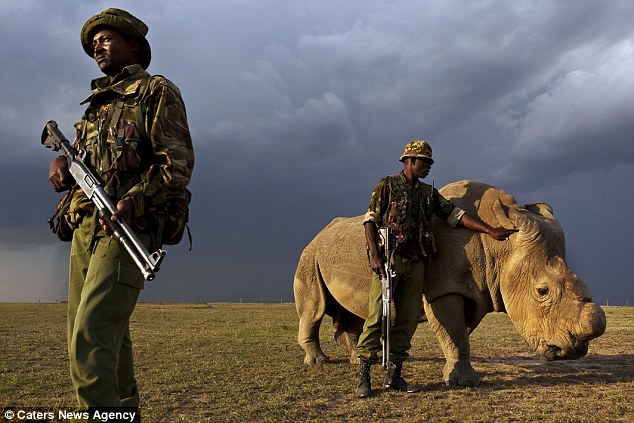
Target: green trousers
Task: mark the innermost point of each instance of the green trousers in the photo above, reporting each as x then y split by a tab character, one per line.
104	284
407	293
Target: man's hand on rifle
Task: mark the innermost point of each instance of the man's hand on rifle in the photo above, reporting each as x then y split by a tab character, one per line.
60	177
125	208
377	265
372	238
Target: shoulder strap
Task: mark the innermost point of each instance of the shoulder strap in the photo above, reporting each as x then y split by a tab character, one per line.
390	184
390	192
143	88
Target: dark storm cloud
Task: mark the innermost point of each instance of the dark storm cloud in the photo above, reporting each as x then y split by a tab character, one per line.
298	108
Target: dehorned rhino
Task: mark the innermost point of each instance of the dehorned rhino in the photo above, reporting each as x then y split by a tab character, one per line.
471	275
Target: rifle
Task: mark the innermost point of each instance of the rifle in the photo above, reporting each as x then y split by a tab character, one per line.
429	213
387	239
148	263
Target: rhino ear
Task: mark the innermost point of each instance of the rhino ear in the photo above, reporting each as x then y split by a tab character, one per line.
504	215
542	209
515	217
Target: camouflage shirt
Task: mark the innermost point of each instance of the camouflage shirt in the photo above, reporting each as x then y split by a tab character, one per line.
137	140
408	210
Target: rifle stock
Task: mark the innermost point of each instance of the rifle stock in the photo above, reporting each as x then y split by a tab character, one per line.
148	263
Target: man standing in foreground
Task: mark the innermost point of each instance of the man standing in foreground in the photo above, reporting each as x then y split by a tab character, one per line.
138	143
406	205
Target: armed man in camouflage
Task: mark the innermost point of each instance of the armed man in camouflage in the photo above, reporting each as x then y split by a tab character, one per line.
137	139
404	204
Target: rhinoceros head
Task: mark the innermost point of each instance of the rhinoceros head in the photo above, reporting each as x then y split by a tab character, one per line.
548	304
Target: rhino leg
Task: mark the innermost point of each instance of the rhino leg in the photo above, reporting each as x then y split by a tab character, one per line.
310	303
447	319
308	339
348	327
308	335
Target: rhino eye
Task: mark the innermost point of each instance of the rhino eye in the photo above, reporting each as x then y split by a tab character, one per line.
542	291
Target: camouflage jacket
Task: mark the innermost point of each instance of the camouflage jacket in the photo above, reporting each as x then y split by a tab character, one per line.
408	210
137	141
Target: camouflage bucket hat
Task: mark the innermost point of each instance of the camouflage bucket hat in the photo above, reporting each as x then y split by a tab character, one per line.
417	149
121	21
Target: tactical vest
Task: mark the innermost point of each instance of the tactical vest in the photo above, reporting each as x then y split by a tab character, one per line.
399	217
114	135
115	143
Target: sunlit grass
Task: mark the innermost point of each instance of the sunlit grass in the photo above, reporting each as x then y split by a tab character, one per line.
241	362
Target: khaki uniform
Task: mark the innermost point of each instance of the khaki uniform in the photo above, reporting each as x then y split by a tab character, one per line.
407	210
137	139
104	285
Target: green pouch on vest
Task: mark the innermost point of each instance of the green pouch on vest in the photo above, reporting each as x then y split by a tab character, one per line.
60	222
176	218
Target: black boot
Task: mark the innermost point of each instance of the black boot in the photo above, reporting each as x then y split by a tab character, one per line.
393	379
364	389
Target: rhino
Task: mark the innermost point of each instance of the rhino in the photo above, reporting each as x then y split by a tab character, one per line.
470	275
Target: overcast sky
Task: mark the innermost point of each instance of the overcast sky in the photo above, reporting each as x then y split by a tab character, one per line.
297	108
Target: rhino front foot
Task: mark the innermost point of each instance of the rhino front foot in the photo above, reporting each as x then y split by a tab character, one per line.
315	356
460	373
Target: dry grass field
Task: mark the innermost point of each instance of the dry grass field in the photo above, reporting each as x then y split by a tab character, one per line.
241	362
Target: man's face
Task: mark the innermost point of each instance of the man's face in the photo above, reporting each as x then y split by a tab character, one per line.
113	52
421	167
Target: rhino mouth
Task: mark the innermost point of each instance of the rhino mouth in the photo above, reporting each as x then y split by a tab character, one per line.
550	352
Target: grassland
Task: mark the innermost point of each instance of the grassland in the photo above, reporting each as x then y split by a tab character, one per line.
240	362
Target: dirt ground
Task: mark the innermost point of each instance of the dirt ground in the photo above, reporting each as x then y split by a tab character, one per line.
240	362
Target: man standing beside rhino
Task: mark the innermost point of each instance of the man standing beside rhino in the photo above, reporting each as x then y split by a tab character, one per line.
406	205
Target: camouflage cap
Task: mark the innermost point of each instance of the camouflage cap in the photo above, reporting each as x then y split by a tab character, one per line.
121	21
417	149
